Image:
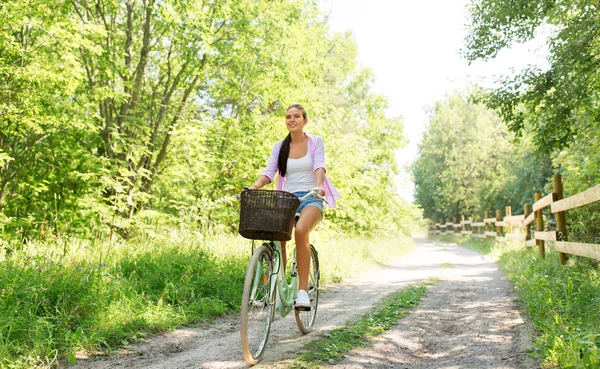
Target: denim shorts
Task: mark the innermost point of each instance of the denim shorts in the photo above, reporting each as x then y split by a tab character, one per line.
311	201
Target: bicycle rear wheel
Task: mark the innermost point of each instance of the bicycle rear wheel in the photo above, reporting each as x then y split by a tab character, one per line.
305	319
258	308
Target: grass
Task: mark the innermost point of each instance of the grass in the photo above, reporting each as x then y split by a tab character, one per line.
68	297
562	301
331	347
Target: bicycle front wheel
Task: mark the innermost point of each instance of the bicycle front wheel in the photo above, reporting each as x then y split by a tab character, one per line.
306	319
258	308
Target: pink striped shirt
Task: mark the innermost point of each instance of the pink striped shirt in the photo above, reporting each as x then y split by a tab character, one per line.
317	154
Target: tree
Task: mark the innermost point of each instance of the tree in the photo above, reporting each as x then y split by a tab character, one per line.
557	102
154	64
39	118
171	106
227	150
462	157
527	171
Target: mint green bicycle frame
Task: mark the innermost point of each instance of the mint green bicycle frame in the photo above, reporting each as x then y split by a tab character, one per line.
287	293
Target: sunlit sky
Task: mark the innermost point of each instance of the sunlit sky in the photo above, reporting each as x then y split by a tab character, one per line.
413	49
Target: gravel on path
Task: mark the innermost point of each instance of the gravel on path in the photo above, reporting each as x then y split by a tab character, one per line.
469	319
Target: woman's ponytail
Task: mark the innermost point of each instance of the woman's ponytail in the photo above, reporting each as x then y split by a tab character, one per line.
284	153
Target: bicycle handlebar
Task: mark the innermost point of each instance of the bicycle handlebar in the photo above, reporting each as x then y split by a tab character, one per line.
314	192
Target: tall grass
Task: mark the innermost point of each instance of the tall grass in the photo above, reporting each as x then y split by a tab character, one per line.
562	301
66	296
99	296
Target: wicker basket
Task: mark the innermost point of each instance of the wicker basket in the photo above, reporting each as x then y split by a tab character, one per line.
267	215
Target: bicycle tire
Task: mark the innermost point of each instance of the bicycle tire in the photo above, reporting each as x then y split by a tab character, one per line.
306	319
258	305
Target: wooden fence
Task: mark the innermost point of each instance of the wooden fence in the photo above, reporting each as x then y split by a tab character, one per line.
518	228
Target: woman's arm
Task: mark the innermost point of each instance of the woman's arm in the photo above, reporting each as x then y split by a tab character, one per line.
260	182
318	157
319	179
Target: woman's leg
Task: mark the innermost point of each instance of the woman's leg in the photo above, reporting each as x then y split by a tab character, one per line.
309	218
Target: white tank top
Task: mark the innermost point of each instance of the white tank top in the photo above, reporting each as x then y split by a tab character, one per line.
299	174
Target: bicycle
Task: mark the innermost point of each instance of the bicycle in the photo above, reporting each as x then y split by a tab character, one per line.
270	216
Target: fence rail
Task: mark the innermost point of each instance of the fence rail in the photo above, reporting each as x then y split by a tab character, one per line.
517	227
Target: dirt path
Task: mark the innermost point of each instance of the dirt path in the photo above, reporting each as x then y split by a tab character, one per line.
468	320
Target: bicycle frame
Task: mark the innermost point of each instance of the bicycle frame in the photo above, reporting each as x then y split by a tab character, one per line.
287	292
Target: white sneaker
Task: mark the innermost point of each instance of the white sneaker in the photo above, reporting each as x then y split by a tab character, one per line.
302	301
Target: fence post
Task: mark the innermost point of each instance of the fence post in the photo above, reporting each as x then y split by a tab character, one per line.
498	228
471	225
462	224
456	221
539	226
486	227
527	211
508	211
561	222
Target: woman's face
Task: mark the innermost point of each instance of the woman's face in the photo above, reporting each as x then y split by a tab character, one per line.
294	120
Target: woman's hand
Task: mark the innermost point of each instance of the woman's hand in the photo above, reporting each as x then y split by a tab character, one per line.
319	190
260	182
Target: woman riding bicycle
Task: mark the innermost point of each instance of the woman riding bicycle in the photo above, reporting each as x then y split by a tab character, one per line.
300	161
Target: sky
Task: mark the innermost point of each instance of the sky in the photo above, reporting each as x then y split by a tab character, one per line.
413	48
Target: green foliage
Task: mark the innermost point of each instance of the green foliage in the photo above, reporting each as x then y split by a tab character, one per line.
563	304
222	154
555	109
40	133
462	160
469	164
580	164
559	101
362	143
56	305
527	171
172	107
